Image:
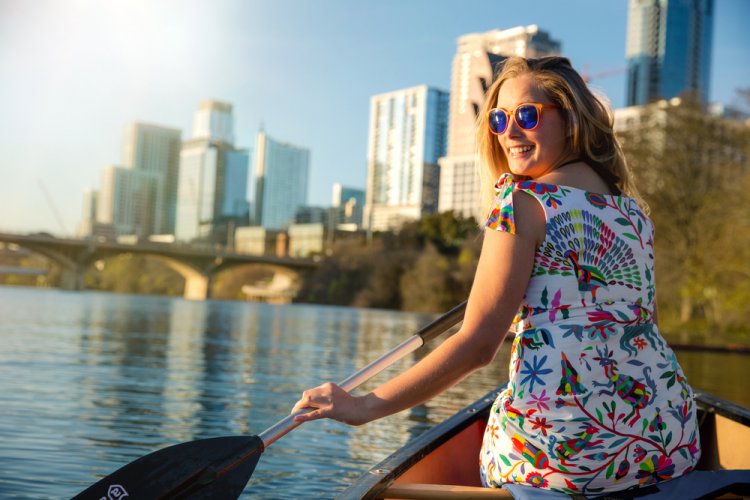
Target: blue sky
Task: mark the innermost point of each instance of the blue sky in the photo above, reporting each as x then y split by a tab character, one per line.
75	72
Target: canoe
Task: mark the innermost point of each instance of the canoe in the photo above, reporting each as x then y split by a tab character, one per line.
443	462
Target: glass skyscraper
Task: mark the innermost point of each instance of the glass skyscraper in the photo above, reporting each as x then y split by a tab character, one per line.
668	49
281	181
212	186
347	204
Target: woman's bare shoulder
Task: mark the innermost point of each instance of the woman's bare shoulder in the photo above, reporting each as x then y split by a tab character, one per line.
529	216
579	176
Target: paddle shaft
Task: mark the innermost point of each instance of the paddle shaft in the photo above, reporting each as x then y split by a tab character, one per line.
424	335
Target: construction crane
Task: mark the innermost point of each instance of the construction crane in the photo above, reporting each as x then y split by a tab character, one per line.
588	77
53	207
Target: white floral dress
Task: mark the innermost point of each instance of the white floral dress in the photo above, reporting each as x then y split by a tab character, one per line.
596	401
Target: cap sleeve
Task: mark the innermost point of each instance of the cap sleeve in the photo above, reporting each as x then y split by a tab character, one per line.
501	216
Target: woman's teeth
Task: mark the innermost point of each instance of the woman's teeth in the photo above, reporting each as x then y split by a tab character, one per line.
517	150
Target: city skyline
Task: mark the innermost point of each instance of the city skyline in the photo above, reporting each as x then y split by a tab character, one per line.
303	72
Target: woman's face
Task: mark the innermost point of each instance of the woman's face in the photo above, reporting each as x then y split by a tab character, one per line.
531	153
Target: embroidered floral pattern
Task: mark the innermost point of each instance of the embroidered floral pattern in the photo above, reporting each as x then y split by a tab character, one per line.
596	401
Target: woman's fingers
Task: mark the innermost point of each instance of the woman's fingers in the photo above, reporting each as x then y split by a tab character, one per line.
325	401
319	397
304	402
310	415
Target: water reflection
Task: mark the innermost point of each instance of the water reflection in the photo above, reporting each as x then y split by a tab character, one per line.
184	366
720	374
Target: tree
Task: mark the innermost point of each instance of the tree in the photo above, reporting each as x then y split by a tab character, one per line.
340	276
439	281
426	286
427	265
447	230
385	270
690	167
129	273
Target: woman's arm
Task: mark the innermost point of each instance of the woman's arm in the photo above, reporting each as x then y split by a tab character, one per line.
501	279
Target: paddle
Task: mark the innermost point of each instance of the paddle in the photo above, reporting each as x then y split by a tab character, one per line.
221	467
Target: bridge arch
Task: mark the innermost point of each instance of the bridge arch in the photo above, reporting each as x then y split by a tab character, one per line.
71	268
197	280
197	266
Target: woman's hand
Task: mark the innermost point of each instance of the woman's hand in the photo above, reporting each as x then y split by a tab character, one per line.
331	401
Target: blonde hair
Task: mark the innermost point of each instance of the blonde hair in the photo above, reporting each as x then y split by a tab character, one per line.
588	122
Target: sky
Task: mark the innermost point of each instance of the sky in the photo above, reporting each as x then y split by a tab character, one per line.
74	73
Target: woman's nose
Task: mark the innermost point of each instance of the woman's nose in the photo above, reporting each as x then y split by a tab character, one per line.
513	129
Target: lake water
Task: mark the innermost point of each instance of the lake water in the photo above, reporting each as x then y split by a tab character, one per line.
91	381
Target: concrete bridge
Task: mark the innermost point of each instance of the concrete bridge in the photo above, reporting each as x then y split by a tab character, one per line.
197	266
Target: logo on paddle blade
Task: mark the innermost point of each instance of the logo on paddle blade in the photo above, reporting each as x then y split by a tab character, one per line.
115	492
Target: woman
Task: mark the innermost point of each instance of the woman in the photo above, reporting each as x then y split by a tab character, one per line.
596	401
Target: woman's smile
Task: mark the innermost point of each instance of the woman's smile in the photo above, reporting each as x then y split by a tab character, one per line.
521	151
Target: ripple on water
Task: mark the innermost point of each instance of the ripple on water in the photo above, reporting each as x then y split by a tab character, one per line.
91	381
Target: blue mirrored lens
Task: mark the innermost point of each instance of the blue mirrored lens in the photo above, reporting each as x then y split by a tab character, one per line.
527	117
498	121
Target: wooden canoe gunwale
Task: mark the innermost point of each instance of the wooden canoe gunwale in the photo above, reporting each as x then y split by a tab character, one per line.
712	404
373	483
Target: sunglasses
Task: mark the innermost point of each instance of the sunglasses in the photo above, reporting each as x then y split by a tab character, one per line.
527	116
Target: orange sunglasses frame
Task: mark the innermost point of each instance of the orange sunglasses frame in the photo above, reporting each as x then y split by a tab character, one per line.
508	116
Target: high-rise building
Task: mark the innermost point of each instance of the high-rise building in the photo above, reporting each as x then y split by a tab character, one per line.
156	149
212	186
474	68
88	221
313	215
408	131
347	206
137	198
668	49
126	200
661	118
281	181
214	121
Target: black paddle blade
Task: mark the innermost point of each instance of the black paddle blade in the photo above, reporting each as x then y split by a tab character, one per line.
207	468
